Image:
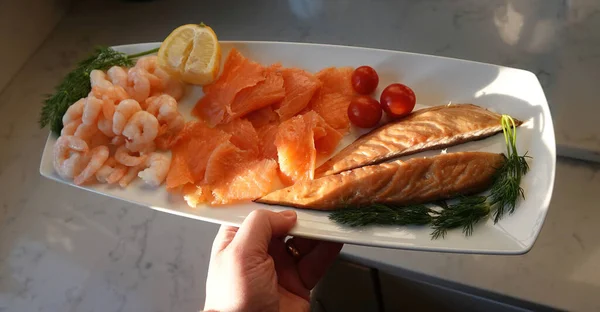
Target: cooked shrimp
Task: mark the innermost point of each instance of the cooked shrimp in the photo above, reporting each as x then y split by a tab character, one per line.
98	80
142	128
118	76
134	81
110	98
68	154
144	148
149	63
123	113
164	107
174	88
156	76
86	132
70	128
92	109
111	172
74	112
155	103
156	84
98	156
138	86
98	139
118	140
125	157
131	174
157	168
105	125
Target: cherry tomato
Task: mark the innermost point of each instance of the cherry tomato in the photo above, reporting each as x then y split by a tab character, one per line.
397	100
364	111
365	80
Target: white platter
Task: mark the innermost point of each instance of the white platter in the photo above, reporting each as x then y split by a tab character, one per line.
436	81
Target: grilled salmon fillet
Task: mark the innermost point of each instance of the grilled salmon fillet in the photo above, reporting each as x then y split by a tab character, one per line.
425	129
417	180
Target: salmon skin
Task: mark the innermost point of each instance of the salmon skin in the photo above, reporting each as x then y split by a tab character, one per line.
418	180
425	129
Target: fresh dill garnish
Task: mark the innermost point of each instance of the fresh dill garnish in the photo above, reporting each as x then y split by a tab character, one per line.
506	188
383	215
466	213
76	84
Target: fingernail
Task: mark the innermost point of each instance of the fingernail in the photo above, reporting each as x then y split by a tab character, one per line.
290	214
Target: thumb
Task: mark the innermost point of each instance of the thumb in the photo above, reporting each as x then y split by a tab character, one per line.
260	226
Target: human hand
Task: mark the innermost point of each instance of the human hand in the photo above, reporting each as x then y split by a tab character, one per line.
251	270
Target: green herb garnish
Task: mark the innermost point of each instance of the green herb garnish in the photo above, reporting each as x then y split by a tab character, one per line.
383	215
506	189
466	213
76	84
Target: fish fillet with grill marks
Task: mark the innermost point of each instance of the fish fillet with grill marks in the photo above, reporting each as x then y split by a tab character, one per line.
425	129
418	180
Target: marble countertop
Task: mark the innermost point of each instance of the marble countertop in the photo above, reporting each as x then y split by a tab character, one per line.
64	249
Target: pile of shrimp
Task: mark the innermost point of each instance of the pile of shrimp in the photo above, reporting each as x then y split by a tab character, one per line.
122	129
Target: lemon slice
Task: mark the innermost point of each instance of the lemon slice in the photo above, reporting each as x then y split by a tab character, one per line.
192	53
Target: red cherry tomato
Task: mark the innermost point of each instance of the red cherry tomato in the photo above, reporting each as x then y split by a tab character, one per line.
365	80
397	100
364	111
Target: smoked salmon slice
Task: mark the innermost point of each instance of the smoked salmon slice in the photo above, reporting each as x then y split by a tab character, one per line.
200	147
251	181
425	129
179	173
300	86
299	139
336	80
224	163
418	180
238	73
243	135
326	137
331	101
333	107
234	175
262	117
296	151
265	93
266	138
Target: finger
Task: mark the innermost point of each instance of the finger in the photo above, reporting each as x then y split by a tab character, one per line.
314	265
285	266
304	245
223	238
260	226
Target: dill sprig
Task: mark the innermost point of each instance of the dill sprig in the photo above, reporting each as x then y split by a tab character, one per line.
383	215
506	188
466	213
76	84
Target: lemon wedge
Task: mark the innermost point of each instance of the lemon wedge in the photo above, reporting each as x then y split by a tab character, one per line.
192	53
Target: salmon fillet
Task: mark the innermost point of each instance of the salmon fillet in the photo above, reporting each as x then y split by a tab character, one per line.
425	129
417	180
